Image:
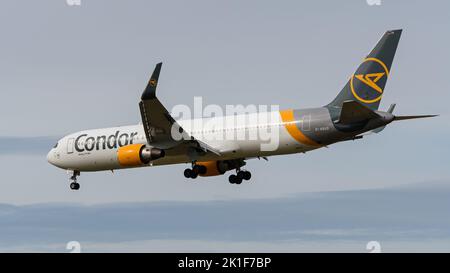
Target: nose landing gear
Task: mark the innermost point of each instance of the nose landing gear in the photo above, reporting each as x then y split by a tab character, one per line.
73	179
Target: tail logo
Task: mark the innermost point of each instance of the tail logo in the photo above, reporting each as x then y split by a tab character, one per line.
152	82
370	80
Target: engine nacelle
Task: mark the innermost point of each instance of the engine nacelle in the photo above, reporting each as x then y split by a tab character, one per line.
212	168
134	155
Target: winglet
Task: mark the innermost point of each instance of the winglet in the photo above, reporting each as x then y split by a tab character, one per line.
150	91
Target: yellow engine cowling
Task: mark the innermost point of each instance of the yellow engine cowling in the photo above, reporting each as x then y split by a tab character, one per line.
134	155
212	168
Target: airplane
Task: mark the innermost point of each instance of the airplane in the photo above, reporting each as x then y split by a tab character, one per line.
351	115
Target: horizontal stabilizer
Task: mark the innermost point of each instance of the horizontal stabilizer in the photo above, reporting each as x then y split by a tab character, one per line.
353	111
413	117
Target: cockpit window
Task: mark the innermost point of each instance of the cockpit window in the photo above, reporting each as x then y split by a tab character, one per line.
56	145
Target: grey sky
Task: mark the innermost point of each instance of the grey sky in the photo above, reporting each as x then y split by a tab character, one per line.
64	69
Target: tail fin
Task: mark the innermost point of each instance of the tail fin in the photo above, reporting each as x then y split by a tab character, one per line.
367	84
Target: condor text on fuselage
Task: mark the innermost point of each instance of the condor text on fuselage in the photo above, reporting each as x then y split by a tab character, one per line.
84	142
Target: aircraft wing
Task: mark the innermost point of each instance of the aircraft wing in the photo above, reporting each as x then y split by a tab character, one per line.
161	129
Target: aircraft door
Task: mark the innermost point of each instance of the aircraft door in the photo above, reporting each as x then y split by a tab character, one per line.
70	142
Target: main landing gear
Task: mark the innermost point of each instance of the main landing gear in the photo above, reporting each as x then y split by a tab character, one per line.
233	179
220	168
73	179
239	177
195	171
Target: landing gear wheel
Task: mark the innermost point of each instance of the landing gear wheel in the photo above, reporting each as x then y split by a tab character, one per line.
74	186
187	173
238	180
194	174
247	175
243	175
240	175
232	179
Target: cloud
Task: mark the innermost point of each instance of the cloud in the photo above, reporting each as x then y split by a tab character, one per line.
393	216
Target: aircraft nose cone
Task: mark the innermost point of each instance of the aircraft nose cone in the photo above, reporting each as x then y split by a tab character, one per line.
51	158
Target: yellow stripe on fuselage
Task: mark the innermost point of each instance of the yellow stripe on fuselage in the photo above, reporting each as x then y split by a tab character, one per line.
287	116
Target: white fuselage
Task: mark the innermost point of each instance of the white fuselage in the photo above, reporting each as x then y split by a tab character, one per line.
239	136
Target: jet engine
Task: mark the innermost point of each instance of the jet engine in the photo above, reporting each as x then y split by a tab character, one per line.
134	155
211	168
